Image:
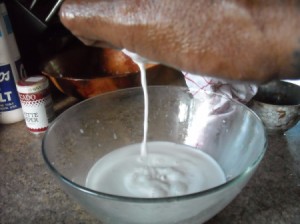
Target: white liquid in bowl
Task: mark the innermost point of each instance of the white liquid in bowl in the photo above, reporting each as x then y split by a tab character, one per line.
169	169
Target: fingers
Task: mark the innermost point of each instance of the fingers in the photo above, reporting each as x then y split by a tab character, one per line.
188	35
96	43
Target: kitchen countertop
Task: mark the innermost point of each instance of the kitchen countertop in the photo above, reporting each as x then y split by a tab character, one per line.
30	194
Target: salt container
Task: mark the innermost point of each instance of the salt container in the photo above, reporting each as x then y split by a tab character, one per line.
11	70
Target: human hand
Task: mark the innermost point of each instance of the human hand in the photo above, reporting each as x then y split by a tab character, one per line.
243	40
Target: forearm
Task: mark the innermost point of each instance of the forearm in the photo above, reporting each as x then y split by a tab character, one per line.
279	22
244	40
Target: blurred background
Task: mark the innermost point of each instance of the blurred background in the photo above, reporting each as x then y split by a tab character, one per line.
36	25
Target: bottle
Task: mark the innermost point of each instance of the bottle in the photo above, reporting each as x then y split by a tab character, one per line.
11	70
36	103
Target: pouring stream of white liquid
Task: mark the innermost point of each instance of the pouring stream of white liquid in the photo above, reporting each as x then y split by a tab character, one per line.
140	61
146	105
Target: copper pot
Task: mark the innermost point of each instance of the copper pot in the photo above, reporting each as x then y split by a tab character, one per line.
84	72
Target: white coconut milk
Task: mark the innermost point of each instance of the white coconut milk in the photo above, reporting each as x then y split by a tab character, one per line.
169	169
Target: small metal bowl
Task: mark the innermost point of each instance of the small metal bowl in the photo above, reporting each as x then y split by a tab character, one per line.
278	105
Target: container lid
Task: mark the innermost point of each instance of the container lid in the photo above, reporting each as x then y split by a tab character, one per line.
32	84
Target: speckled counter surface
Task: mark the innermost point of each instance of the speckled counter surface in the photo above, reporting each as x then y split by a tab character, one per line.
29	193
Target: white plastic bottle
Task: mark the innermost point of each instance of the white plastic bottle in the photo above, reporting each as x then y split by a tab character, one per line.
11	70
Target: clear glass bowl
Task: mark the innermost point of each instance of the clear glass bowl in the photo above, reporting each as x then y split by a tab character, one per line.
227	130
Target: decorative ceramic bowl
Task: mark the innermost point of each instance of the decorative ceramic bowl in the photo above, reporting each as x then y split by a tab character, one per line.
228	131
278	105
